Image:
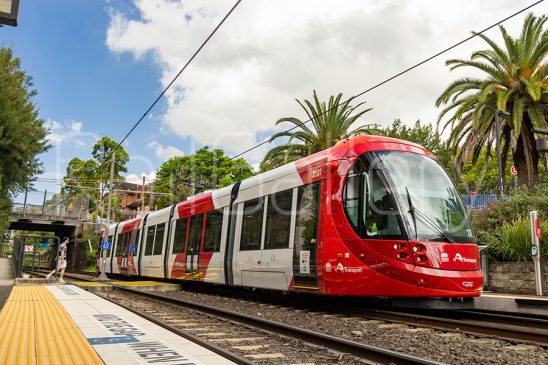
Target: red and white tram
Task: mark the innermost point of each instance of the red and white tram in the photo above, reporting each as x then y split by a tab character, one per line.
371	216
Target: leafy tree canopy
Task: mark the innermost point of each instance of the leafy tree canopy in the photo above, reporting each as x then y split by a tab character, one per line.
514	81
329	123
482	176
424	134
90	177
206	169
22	133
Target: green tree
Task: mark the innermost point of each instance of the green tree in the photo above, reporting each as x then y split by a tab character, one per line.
102	154
80	176
90	177
481	176
206	169
424	134
22	133
515	82
330	123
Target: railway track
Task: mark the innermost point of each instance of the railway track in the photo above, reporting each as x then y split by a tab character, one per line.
525	329
249	337
234	335
438	335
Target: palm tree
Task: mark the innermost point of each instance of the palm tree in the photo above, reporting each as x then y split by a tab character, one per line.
516	83
331	123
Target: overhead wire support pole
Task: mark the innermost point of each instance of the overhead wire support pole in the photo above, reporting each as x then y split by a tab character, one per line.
103	275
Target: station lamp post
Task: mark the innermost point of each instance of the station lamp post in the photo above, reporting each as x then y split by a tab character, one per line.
9	11
499	160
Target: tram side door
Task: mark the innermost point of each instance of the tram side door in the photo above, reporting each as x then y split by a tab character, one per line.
123	264
305	248
193	246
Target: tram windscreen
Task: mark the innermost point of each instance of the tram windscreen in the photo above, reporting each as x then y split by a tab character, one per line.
380	181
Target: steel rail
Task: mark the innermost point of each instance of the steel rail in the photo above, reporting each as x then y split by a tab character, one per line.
208	345
480	326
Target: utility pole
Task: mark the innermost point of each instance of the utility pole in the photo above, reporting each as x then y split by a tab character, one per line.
103	275
143	196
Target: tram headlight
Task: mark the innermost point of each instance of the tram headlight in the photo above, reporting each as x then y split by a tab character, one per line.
418	248
422	259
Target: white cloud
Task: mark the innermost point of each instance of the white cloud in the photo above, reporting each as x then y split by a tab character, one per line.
75	126
164	153
54	136
138	179
67	132
270	52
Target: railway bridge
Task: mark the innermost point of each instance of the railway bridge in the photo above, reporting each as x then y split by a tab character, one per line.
60	215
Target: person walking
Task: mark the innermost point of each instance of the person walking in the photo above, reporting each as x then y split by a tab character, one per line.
61	260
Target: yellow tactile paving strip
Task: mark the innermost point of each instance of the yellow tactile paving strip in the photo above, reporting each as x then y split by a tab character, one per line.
87	283
36	330
141	283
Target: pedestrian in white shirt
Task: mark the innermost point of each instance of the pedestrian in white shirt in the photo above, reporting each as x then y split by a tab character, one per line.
61	260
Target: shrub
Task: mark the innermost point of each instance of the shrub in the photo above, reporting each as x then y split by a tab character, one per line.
503	226
511	241
517	205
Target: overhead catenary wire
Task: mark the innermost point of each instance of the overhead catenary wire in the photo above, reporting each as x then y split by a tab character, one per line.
172	81
475	34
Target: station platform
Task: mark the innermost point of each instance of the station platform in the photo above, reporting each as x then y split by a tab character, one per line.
140	285
512	303
64	324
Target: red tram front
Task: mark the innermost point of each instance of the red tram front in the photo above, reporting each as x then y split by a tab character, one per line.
394	225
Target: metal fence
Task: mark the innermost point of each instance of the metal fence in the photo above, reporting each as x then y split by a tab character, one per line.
478	201
51	206
27	256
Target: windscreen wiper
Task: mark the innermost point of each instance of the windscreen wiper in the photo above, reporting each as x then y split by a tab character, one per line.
417	213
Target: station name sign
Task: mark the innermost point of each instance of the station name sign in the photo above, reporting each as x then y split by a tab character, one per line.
9	12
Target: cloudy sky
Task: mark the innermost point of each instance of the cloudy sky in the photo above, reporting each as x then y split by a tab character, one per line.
98	65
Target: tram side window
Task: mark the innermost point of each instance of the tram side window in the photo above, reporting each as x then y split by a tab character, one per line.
214	225
119	244
134	242
179	239
380	210
159	239
352	198
109	251
308	201
150	240
278	220
370	206
195	233
127	236
252	225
